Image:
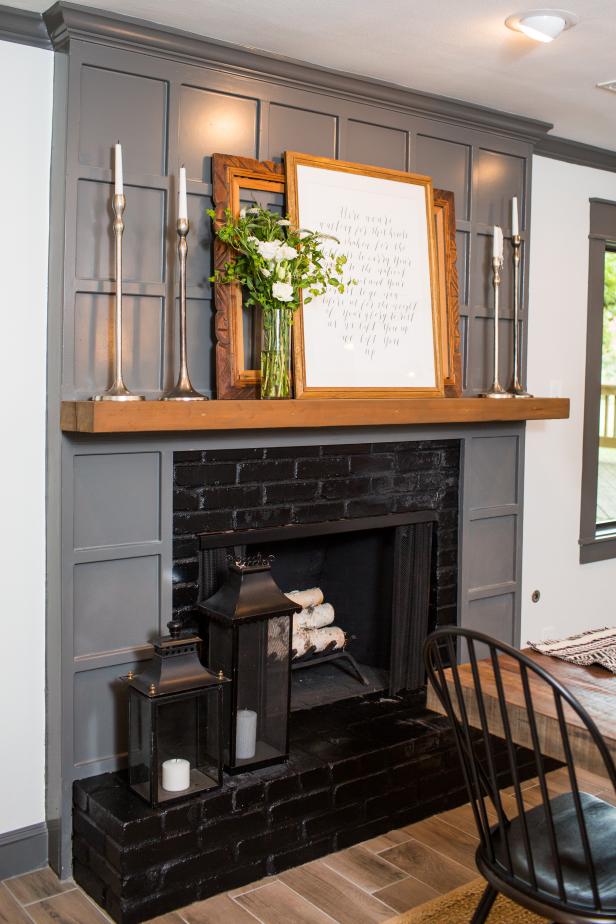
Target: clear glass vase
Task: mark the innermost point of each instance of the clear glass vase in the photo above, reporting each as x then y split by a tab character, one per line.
276	352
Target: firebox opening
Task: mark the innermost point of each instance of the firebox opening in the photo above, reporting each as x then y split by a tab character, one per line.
355	573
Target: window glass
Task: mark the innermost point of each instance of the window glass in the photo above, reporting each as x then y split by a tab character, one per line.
606	484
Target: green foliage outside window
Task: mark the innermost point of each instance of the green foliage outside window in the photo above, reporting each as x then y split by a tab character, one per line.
608	367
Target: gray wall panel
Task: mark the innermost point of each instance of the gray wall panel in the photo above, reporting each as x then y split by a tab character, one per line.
143	243
449	166
498	177
211	123
491	542
494	616
116	499
116	604
141	342
493	478
374	144
125	107
292	129
100	717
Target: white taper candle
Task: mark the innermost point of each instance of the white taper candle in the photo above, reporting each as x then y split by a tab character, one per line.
497	243
183	201
515	227
176	774
118	174
246	737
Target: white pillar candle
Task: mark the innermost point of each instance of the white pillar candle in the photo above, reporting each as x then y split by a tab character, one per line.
118	174
246	737
176	774
515	227
183	201
497	243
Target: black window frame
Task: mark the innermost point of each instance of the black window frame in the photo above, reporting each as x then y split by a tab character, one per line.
596	543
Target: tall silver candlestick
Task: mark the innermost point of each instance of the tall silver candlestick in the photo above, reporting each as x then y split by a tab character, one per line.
118	390
517	388
496	390
183	389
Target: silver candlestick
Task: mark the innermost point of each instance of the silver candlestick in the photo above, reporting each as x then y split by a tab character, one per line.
496	390
517	388
183	389
118	390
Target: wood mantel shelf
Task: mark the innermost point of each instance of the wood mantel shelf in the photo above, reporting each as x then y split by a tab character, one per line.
162	416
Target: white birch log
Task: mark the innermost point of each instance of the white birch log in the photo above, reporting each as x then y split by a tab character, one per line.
299	644
314	617
311	597
322	638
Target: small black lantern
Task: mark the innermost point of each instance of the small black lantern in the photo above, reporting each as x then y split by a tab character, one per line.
250	633
175	716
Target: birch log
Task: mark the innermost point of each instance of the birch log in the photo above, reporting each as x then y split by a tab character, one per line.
322	638
314	617
311	597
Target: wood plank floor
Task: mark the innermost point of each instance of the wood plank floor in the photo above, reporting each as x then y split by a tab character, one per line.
371	882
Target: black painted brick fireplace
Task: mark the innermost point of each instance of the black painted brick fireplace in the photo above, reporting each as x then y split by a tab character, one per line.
358	767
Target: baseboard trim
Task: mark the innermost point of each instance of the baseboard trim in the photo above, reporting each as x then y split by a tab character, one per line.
23	850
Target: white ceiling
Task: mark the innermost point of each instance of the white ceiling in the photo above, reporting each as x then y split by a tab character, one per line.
456	48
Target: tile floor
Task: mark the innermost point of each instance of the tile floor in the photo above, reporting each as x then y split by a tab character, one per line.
371	882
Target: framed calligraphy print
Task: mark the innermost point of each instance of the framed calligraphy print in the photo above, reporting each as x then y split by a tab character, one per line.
381	337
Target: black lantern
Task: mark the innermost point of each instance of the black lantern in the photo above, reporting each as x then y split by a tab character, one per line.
250	631
175	715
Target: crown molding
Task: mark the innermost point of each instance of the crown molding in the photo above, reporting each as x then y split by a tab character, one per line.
67	21
575	152
23	27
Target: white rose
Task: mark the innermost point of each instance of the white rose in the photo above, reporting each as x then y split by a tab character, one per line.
286	253
284	223
282	291
269	249
242	213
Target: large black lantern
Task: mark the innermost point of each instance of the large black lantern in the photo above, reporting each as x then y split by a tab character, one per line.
249	632
175	715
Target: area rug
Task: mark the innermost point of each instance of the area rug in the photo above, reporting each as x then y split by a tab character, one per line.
458	907
597	646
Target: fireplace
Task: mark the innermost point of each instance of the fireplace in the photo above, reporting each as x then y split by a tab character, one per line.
374	526
373	573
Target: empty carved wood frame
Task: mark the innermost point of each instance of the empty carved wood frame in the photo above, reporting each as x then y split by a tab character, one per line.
237	181
241	180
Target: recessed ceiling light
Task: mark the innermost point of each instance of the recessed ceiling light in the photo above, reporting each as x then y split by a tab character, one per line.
542	25
608	85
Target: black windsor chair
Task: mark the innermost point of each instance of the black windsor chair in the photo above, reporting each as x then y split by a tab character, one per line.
557	859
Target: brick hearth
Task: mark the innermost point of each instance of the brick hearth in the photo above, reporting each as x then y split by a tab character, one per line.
358	769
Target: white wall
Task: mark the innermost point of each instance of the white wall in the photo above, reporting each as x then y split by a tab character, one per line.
26	76
574	597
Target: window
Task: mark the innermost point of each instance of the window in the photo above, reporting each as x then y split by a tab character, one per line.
598	511
606	473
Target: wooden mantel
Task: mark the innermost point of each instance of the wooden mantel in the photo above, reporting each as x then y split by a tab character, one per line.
161	416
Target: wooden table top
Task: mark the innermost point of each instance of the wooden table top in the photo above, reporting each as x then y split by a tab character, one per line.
594	687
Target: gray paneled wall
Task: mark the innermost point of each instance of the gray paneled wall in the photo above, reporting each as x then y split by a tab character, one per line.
167	114
110	576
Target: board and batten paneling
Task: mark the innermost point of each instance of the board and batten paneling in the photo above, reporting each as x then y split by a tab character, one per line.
110	576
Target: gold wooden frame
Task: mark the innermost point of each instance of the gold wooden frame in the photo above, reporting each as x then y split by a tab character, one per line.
447	264
229	175
294	159
233	379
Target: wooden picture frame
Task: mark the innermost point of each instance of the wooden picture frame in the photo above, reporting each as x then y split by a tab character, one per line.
230	174
448	288
323	193
234	379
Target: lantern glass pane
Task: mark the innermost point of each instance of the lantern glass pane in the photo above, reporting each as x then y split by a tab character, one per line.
140	738
262	690
187	731
220	658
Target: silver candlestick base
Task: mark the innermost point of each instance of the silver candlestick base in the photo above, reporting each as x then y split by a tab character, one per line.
516	389
183	389
496	390
118	390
